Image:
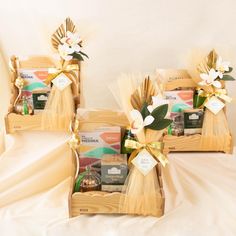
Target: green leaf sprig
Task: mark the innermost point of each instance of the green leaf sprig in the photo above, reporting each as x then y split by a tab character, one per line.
159	114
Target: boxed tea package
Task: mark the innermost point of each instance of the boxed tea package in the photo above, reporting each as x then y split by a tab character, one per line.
34	80
183	98
114	171
193	120
179	101
40	98
94	144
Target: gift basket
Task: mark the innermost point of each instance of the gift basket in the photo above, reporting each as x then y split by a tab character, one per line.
119	154
45	91
197	106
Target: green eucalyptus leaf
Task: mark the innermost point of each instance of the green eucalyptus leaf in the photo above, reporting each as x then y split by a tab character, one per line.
144	111
228	78
77	56
82	53
161	124
160	112
230	70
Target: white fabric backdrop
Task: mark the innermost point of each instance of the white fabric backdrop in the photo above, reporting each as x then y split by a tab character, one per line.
200	192
121	36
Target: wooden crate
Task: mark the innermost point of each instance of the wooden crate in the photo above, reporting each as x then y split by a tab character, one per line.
16	122
191	143
99	202
103	203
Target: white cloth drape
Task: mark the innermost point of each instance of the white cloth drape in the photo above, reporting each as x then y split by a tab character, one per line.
35	172
119	36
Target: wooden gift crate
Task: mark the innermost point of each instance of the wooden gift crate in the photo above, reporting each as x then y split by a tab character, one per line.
16	122
192	142
99	202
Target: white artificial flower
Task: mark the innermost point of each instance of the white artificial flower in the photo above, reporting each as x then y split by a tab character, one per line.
65	51
72	40
222	66
137	121
210	79
156	102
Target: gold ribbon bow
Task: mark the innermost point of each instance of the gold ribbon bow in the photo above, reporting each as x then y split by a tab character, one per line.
154	148
70	70
74	140
220	93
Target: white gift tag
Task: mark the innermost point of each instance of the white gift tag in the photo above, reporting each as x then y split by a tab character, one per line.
61	81
144	162
214	105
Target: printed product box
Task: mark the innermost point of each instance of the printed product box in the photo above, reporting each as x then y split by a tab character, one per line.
39	100
114	171
94	144
34	80
180	98
193	120
179	101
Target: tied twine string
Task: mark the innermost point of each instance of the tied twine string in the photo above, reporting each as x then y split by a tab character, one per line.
220	93
74	142
154	148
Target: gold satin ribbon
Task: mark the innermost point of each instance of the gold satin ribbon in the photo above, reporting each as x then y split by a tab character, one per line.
71	71
74	140
220	93
154	148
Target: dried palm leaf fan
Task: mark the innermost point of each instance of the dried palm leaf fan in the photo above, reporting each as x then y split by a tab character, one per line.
61	32
60	107
143	94
215	130
141	191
